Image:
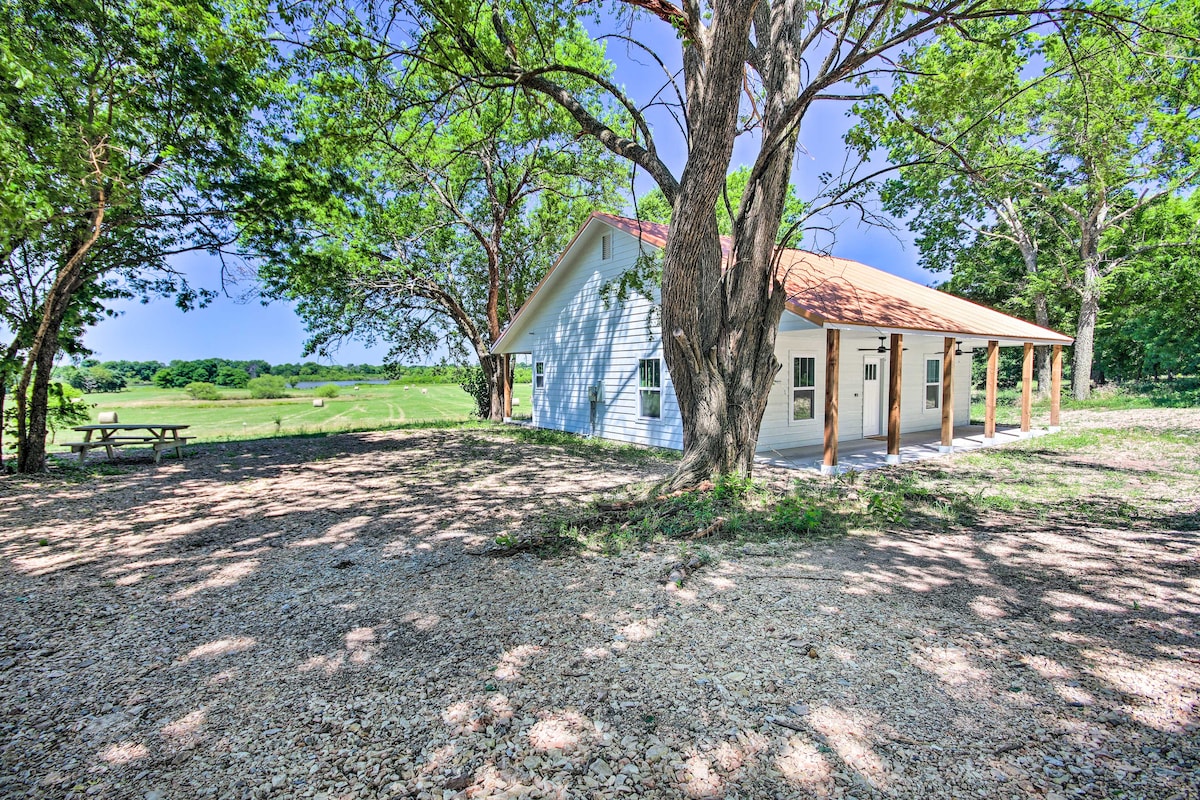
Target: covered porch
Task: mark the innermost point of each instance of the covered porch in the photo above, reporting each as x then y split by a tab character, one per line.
833	459
866	454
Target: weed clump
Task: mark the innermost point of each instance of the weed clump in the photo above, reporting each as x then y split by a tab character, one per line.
731	508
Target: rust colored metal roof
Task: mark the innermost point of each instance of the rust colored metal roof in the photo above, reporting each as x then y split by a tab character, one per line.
835	292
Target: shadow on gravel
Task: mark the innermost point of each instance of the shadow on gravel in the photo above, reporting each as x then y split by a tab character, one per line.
298	616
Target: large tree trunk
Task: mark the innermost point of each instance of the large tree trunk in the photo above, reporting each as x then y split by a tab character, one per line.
493	368
31	453
1041	353
33	406
1085	333
6	369
720	313
1029	255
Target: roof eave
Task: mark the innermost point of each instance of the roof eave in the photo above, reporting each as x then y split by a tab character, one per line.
1052	337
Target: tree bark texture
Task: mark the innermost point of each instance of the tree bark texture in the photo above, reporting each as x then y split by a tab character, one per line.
1085	334
5	371
720	311
33	405
1041	311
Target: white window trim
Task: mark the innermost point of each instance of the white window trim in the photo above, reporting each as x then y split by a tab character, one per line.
818	388
541	376
925	384
640	388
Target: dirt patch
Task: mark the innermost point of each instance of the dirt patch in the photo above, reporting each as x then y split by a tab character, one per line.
305	618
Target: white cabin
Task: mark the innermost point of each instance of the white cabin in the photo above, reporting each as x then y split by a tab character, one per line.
598	365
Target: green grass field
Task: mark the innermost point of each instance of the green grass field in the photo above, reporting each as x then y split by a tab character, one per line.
1179	393
369	407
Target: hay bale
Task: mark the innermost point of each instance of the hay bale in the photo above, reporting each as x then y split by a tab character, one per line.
107	418
516	401
319	403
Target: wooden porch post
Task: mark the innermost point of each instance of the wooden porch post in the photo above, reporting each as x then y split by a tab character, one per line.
508	386
1027	390
833	339
993	372
893	434
1055	386
947	445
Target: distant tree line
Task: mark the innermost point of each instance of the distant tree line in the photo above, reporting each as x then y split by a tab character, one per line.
113	376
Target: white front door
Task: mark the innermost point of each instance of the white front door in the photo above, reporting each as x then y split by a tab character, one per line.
870	395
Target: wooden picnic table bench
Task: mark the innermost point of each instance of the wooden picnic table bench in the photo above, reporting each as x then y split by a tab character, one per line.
112	435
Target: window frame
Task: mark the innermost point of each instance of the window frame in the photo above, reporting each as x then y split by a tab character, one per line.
937	395
793	388
648	390
539	375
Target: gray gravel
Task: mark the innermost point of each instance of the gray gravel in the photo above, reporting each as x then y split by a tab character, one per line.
318	618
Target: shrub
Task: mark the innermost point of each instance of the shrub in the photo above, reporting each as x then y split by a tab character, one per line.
268	386
65	409
475	383
202	390
328	390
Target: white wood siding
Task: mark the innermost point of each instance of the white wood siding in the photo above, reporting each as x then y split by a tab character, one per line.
779	431
583	343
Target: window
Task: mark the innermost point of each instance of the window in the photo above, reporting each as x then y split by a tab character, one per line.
650	387
539	375
871	371
933	383
606	246
804	387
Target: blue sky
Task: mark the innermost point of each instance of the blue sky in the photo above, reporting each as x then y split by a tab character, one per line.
240	327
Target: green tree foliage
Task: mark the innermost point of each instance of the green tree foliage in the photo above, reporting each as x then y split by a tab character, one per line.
122	127
236	374
66	409
1050	141
1151	303
475	383
234	377
421	220
653	207
746	67
134	371
93	378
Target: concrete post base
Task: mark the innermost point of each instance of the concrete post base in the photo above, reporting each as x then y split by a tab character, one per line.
945	448
828	469
988	441
893	459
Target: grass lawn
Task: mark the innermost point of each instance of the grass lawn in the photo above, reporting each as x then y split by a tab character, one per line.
370	406
1179	393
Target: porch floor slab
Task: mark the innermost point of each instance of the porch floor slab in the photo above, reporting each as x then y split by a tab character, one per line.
864	454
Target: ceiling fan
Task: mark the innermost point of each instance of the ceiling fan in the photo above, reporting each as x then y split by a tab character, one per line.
958	351
881	349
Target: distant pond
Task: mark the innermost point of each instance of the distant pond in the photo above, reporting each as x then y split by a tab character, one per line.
315	384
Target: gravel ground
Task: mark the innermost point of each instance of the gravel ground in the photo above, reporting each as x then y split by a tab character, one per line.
320	618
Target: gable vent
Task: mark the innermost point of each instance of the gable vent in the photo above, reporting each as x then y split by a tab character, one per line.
606	246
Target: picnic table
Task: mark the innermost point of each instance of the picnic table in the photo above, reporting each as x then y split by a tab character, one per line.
112	435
